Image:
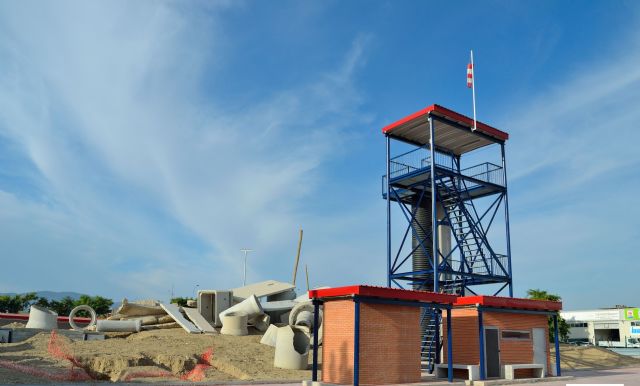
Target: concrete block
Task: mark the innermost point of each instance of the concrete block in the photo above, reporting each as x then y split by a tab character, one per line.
211	303
286	295
199	321
265	288
280	305
175	313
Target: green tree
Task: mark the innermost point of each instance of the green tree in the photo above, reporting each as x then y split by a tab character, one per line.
63	307
16	303
182	302
100	305
563	327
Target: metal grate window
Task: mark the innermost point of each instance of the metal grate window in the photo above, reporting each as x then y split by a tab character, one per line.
517	335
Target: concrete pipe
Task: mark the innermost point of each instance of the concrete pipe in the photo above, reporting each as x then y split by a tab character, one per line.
292	349
82	307
261	322
303	309
42	318
119	325
304	318
250	307
269	337
234	323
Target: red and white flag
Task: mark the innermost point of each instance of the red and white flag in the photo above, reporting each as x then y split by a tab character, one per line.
470	75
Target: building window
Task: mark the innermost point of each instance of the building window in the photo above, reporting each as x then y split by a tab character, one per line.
577	324
517	335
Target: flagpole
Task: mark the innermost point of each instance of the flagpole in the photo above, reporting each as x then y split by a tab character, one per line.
473	91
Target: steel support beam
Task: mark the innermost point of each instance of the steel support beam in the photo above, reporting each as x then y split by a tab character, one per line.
434	209
388	211
449	347
316	312
483	375
506	217
356	343
557	343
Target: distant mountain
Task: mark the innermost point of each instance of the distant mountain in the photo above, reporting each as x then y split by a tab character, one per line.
51	295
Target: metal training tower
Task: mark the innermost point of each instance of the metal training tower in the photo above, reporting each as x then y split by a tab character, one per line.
451	241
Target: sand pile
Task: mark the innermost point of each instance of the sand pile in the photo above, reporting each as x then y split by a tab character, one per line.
158	355
589	357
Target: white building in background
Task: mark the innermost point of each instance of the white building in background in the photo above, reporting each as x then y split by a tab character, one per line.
615	327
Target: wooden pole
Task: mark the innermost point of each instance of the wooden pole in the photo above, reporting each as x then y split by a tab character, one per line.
295	268
306	270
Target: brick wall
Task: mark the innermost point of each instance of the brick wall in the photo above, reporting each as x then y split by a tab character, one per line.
389	343
465	337
337	342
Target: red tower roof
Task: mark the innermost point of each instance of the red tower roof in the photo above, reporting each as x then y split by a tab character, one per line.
456	135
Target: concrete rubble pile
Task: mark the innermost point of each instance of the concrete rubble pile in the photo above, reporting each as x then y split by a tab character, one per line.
270	307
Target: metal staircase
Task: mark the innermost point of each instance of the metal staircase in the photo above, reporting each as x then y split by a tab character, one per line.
430	318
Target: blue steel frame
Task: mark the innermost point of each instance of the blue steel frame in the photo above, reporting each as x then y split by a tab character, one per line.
482	309
445	182
492	265
356	331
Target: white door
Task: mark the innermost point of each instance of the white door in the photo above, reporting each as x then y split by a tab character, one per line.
540	339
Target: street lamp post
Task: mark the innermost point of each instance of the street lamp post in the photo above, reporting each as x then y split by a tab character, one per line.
246	251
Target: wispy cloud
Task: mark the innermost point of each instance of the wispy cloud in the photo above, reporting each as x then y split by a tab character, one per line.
573	173
152	184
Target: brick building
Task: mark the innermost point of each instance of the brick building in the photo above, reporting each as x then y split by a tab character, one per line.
492	332
372	335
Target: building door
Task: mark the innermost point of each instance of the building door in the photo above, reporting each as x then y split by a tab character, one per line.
540	339
492	352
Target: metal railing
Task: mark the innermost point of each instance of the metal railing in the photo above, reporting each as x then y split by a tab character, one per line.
478	267
418	160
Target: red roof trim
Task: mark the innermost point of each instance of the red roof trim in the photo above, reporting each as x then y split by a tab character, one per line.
383	293
505	302
26	317
483	127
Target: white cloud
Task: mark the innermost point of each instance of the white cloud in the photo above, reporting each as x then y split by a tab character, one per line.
153	184
573	173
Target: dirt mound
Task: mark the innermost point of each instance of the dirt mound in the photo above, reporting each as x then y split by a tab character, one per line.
589	357
167	354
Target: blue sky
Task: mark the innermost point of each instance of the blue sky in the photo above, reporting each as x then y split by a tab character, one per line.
143	144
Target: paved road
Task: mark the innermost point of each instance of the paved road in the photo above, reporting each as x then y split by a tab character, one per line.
629	376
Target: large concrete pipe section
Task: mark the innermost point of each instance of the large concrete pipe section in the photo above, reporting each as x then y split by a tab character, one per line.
444	239
421	260
421	233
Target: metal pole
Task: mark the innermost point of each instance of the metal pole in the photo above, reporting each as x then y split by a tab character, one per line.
388	211
316	312
244	277
481	345
506	217
434	198
449	347
557	342
356	343
473	90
